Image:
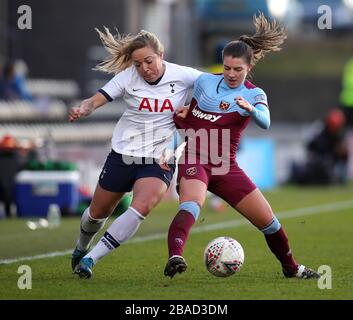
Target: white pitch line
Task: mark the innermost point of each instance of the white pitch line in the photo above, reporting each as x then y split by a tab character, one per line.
37	257
328	207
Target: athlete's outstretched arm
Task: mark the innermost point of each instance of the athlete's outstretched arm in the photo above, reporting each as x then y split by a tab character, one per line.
259	112
87	106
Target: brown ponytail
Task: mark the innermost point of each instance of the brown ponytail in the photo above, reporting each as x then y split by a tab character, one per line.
268	37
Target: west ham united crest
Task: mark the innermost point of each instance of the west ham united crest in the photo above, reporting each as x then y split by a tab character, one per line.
224	105
191	171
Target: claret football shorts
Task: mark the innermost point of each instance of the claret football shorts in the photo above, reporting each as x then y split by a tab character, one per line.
231	187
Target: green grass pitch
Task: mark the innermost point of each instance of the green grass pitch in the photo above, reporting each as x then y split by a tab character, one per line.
318	236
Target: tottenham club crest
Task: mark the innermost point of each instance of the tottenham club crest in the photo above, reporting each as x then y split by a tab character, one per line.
191	171
224	105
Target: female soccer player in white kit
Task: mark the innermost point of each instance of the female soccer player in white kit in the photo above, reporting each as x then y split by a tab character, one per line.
152	89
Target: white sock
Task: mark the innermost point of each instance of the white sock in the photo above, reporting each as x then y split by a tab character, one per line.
122	229
88	229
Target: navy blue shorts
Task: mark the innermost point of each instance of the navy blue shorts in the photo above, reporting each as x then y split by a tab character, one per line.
120	172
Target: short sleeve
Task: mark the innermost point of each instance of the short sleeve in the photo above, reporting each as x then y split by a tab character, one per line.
259	97
199	80
191	75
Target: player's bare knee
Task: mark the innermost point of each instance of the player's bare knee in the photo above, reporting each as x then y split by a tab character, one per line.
145	203
142	207
100	212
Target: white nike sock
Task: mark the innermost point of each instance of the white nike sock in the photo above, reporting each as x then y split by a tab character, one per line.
122	229
88	229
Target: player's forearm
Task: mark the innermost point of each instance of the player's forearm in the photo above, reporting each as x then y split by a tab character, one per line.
261	115
86	107
98	100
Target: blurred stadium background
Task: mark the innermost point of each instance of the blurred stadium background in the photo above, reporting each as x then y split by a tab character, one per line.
56	57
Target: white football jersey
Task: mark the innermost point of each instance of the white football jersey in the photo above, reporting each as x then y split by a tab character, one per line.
146	127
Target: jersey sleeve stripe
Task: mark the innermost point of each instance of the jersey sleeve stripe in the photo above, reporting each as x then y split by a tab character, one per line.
108	97
260	103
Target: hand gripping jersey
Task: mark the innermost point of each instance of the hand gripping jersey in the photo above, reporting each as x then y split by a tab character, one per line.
214	113
146	127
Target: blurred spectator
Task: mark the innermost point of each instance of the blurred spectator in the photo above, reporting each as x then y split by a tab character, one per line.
346	98
12	84
217	63
9	163
14	156
327	154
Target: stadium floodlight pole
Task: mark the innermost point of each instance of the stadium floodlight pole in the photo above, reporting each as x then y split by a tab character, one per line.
132	9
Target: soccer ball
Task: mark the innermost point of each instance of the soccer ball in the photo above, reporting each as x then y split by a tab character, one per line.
224	256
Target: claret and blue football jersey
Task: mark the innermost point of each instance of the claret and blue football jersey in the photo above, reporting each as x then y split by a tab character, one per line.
213	108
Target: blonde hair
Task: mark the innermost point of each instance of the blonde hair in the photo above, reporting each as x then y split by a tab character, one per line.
121	48
268	37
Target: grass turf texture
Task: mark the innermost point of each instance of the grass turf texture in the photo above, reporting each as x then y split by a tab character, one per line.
135	270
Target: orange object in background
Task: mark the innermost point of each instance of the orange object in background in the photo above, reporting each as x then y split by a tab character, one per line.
335	120
8	142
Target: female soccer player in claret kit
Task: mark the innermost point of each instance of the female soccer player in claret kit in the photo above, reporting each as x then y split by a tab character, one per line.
225	104
152	89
